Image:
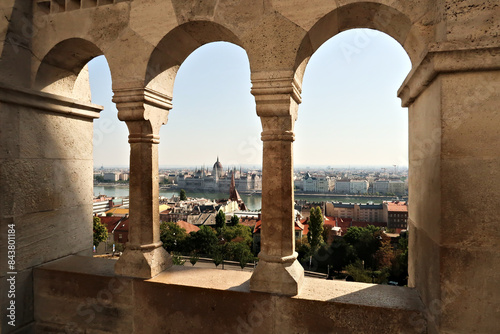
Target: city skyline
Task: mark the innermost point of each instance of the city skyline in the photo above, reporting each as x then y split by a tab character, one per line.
349	105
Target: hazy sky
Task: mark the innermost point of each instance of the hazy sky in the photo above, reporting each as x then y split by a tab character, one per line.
350	114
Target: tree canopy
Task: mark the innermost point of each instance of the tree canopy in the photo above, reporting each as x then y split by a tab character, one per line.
314	235
100	232
173	237
182	195
204	241
220	221
235	220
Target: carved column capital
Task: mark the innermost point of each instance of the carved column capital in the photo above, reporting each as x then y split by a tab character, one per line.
144	110
277	97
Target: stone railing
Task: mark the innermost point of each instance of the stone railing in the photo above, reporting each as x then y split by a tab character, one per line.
80	294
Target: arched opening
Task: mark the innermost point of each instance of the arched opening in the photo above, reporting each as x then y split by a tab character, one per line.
352	144
213	119
111	159
165	59
211	100
361	15
63	70
111	150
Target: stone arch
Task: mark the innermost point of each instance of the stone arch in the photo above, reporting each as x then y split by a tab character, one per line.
177	45
62	66
370	15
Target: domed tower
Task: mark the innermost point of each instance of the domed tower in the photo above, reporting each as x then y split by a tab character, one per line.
217	171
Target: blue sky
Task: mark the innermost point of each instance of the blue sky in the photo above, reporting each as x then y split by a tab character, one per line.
350	114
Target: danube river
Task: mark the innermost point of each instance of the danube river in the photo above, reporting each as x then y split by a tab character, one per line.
253	202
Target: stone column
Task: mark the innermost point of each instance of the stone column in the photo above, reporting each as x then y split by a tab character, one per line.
144	111
453	98
277	98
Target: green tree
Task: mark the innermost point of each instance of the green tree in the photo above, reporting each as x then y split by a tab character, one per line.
99	178
173	237
220	221
358	273
238	233
204	241
342	254
218	255
100	232
242	253
194	258
366	241
385	254
177	259
314	235
182	195
399	268
235	220
303	249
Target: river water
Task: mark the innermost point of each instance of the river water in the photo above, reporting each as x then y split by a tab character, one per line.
253	202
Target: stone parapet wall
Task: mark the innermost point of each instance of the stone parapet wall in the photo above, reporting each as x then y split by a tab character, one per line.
82	295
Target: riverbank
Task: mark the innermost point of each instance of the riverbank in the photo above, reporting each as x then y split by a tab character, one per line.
345	195
253	201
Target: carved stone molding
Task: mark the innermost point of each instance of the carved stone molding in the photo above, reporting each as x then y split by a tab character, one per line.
48	102
446	60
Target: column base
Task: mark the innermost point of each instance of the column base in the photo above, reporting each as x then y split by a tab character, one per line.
282	278
143	263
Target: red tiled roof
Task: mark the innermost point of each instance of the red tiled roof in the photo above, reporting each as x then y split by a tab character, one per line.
299	226
397	207
248	221
257	227
110	222
343	223
187	226
329	221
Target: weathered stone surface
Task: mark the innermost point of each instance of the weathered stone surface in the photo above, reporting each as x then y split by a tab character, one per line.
190	300
283	278
424	154
23	298
99	301
470	115
464	204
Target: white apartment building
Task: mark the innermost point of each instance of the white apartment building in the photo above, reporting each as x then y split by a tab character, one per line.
358	187
321	183
381	186
397	187
389	186
342	186
112	176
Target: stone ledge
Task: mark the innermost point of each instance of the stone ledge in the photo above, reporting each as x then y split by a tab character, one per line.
48	102
188	299
446	59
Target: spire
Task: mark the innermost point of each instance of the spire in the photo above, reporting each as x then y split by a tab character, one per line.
234	195
233	183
